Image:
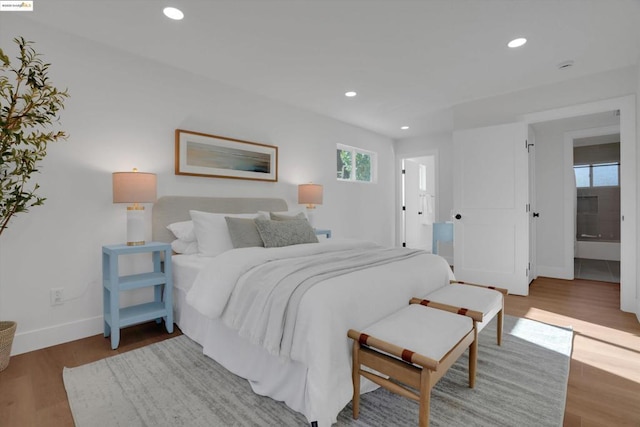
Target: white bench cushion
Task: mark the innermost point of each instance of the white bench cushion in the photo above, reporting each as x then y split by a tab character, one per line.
424	330
485	300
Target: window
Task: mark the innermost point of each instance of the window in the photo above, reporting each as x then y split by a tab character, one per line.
354	164
597	175
583	174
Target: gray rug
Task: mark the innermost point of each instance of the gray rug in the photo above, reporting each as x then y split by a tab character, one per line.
171	383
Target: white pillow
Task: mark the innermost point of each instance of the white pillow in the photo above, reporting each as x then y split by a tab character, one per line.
180	246
183	230
292	212
212	232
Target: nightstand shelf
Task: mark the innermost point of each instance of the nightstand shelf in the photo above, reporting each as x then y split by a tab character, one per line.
161	279
139	313
135	281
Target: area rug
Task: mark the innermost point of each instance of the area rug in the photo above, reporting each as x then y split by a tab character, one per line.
171	383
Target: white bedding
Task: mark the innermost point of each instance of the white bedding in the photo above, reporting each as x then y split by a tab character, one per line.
185	270
316	380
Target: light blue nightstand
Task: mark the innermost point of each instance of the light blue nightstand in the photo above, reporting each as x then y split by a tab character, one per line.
321	232
112	283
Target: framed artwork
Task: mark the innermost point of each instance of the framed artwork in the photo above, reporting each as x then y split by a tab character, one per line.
199	154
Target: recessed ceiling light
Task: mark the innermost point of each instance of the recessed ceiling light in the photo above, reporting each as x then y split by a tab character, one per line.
517	42
404	127
350	94
173	13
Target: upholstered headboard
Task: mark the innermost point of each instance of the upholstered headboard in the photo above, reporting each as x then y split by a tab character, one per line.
170	209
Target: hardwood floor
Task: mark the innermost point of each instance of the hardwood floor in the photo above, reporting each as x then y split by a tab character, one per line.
604	379
32	393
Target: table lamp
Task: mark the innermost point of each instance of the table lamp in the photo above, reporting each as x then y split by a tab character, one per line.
134	187
310	195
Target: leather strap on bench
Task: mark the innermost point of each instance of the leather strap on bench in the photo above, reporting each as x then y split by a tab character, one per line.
475	315
503	291
394	350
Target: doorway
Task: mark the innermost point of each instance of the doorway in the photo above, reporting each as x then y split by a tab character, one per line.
419	201
555	243
596	164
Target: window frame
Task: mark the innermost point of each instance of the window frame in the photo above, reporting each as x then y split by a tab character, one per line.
373	163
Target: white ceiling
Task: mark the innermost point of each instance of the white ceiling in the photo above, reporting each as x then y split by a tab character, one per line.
408	60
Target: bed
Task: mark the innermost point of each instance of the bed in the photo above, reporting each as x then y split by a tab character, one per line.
312	372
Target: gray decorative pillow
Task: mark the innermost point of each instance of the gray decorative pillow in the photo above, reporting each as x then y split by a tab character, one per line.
276	234
243	232
280	217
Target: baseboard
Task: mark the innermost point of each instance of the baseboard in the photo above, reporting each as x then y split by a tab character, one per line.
554	272
46	337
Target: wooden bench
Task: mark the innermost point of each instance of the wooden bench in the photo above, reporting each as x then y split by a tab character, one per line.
489	300
414	347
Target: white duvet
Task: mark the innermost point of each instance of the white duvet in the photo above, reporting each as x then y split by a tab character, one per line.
327	310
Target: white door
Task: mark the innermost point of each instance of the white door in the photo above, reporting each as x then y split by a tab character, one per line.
491	215
533	210
412	220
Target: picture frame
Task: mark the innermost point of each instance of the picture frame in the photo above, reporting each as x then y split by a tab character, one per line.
213	156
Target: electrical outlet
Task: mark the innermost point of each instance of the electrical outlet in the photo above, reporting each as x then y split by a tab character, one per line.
57	295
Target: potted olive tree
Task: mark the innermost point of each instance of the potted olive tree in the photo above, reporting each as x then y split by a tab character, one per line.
29	106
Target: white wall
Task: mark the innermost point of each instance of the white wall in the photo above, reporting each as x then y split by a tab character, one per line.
508	108
511	107
122	113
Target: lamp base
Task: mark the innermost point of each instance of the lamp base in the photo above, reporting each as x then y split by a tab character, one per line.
135	226
311	217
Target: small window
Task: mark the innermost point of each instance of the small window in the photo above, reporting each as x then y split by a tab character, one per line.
606	175
355	164
597	175
583	174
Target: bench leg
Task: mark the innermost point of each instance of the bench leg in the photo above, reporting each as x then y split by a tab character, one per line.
356	379
500	324
425	398
473	358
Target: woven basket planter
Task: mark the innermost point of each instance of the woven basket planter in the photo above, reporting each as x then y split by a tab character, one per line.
7	331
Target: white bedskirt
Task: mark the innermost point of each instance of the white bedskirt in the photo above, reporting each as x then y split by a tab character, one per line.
316	381
268	375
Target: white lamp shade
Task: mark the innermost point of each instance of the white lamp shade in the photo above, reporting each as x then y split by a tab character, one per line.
310	194
134	187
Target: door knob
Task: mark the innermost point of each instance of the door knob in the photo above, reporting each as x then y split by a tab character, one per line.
458	216
536	214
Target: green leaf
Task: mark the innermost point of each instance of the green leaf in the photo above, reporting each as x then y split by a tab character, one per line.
5	59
